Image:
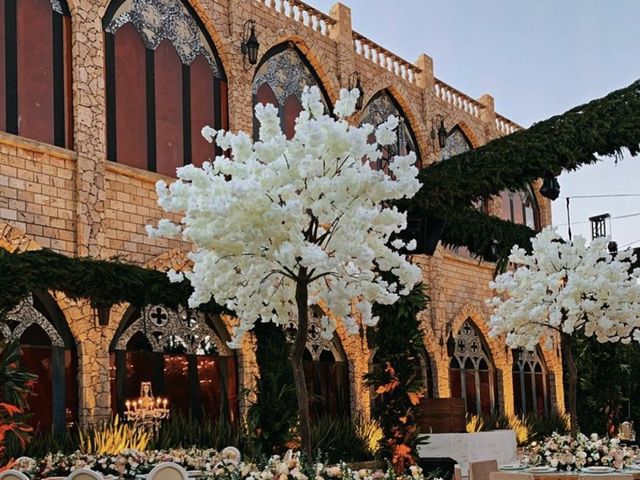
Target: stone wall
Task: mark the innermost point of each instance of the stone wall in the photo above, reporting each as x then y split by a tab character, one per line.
77	202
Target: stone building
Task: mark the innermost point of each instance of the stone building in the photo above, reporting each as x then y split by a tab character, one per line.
115	101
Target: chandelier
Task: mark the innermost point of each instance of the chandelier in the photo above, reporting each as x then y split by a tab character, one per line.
147	410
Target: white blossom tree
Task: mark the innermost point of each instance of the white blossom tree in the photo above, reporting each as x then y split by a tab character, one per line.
280	225
563	289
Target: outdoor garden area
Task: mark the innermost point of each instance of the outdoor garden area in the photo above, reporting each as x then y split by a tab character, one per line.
300	257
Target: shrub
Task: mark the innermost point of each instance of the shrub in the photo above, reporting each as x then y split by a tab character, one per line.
343	439
184	431
113	437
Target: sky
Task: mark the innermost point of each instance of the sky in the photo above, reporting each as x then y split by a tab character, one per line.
537	58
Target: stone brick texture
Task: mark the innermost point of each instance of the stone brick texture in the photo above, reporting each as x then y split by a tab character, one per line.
79	203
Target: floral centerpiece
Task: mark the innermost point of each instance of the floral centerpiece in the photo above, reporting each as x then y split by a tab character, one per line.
566	453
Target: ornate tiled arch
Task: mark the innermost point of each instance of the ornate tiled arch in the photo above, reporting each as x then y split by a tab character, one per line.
295	36
388	81
379	107
158	20
25	315
162	326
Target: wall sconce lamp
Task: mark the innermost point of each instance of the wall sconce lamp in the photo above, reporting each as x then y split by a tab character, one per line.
356	82
451	345
250	44
438	130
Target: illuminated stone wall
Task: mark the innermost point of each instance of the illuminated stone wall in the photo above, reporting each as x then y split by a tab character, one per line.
77	202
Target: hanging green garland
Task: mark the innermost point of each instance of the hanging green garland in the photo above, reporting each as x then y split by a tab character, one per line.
103	282
581	136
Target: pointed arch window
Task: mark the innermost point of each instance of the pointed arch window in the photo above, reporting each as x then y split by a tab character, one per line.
379	108
326	370
184	357
472	375
280	79
47	350
521	208
530	382
164	82
35	70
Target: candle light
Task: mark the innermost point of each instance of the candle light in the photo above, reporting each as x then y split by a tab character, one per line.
164	403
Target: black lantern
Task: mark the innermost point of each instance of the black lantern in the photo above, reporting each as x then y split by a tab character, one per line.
250	44
426	230
550	186
451	345
440	131
494	249
356	82
103	312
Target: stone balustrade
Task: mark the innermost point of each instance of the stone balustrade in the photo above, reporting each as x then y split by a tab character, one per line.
506	126
384	58
457	99
302	13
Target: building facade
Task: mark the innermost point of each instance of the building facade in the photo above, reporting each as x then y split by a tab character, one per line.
115	101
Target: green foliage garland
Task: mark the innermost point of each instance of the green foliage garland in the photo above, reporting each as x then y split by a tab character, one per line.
103	282
581	136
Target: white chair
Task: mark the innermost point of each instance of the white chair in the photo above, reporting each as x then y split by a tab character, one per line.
232	454
84	474
13	475
457	472
482	470
168	471
512	476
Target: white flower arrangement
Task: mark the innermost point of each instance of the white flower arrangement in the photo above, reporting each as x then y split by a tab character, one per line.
566	453
213	465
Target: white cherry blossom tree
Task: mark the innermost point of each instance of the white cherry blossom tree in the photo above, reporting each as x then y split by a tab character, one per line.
563	289
280	225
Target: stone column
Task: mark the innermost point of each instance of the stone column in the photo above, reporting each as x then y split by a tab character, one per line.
89	109
92	342
488	116
342	33
426	81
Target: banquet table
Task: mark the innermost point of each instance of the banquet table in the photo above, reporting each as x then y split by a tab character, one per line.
558	475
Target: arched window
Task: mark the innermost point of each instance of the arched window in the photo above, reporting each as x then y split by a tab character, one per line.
183	356
530	382
164	82
521	208
457	143
326	371
379	108
279	80
35	69
47	350
471	371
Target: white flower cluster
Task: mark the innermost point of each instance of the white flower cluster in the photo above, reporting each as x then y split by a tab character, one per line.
565	453
566	287
270	208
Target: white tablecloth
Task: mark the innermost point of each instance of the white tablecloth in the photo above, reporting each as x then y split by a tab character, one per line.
472	447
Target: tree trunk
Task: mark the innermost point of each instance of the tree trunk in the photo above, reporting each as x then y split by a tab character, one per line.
297	351
572	372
